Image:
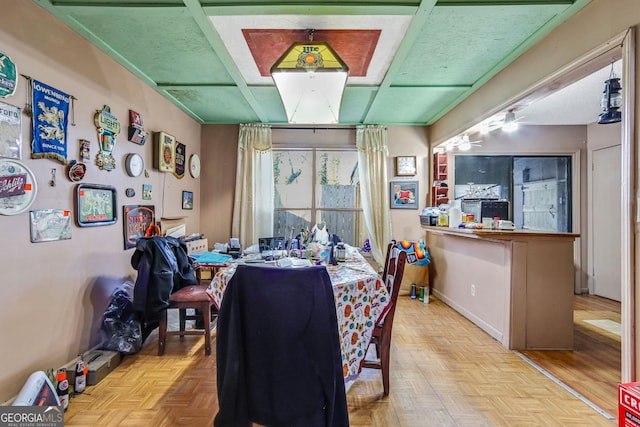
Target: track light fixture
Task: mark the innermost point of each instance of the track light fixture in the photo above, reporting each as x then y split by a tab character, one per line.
510	124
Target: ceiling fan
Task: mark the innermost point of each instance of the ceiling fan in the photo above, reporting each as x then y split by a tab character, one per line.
462	143
508	123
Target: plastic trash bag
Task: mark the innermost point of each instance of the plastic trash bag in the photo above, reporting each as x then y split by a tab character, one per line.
121	326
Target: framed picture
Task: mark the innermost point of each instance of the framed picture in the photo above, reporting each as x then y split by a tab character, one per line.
404	194
406	166
95	205
187	200
147	191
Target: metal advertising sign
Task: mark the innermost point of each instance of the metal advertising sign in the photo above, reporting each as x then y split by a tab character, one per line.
108	128
10	134
8	76
137	134
17	187
138	219
181	158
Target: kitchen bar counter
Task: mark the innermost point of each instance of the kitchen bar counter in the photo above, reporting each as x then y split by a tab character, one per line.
516	285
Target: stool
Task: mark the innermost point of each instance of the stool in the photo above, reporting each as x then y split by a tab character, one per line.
190	297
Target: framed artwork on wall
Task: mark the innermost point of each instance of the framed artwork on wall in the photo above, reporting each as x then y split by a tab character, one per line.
187	200
404	194
406	166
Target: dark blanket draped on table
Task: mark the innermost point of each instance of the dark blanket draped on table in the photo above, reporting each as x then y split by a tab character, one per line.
163	267
278	350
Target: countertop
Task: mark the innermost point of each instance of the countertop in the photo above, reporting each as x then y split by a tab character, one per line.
497	234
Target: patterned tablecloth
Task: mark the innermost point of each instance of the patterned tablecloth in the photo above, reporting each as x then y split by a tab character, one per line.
360	298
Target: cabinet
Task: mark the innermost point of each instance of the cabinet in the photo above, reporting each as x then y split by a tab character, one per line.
440	167
440	193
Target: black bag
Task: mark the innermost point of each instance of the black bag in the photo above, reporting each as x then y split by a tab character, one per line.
121	325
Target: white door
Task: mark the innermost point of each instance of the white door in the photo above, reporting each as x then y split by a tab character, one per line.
606	211
540	205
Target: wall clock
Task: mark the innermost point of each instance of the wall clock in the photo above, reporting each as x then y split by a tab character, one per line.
405	165
134	164
194	165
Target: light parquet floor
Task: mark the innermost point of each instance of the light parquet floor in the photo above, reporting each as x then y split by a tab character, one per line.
445	372
593	368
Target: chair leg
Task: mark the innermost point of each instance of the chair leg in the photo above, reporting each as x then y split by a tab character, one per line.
162	333
183	321
206	315
385	347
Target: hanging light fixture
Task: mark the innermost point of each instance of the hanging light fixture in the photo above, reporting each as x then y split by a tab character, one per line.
611	101
510	124
310	77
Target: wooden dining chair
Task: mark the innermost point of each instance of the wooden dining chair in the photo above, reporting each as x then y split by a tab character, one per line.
196	300
381	337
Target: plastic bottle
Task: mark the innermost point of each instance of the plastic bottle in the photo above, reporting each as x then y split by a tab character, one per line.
81	376
443	219
62	388
455	217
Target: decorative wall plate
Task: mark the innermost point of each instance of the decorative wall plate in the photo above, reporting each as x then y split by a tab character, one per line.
194	165
77	171
17	187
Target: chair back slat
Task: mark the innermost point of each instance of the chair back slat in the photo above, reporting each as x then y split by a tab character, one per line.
392	278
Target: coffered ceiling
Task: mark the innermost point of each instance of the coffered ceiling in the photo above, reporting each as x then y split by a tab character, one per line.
411	61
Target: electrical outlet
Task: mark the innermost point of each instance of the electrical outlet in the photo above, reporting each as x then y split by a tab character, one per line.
473	290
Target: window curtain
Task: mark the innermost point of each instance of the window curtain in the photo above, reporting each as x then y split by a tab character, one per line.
371	142
253	204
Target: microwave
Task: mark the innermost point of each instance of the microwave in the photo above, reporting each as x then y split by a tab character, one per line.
486	209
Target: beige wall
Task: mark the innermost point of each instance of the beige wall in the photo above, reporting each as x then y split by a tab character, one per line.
409	141
53	294
219	155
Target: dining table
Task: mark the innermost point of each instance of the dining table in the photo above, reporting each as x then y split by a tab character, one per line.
360	296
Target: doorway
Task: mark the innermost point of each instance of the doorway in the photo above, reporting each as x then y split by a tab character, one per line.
606	210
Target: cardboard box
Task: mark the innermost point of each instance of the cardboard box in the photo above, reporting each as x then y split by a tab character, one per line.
629	405
197	246
100	363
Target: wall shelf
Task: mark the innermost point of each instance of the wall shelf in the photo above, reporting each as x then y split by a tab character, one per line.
440	194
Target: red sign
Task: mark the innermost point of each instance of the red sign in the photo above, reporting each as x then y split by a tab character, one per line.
12	185
629	405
